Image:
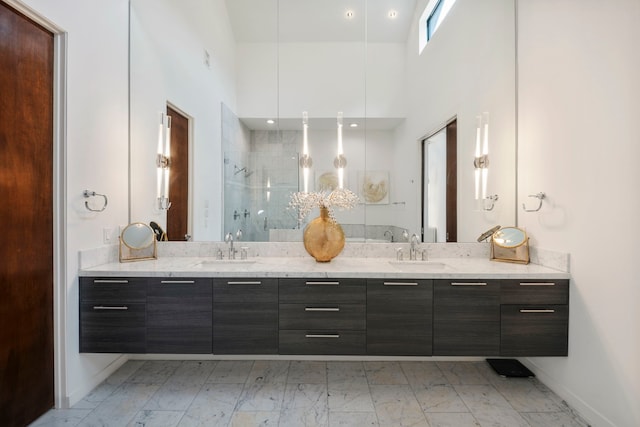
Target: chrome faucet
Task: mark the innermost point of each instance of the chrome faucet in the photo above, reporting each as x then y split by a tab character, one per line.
390	234
413	250
229	239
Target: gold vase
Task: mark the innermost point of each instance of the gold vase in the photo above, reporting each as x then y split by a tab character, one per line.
323	238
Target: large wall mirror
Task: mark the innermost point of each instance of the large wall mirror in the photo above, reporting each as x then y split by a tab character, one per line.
243	76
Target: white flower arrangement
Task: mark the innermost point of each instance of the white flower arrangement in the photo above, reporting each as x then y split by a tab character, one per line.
340	198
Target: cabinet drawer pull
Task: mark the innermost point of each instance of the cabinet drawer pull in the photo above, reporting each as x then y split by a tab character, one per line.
322	336
177	282
254	282
400	284
102	307
321	309
322	283
537	284
110	281
468	284
546	310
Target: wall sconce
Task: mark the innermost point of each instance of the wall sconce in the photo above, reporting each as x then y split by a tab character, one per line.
163	162
481	162
340	162
305	160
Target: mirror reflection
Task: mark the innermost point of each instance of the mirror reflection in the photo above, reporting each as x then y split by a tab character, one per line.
230	66
137	236
509	237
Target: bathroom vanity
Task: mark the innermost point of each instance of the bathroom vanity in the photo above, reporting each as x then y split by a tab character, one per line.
351	306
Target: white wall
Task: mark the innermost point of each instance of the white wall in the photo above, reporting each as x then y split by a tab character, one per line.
466	69
96	155
320	78
579	86
168	66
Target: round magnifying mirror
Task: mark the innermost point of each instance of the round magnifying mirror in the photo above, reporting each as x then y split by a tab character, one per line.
137	236
509	237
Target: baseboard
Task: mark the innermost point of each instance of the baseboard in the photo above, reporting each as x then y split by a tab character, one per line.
582	408
77	395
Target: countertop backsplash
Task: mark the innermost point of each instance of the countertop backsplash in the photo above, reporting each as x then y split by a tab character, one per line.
109	254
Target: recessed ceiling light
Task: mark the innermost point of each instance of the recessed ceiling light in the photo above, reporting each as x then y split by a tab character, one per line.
353	125
392	14
270	121
349	14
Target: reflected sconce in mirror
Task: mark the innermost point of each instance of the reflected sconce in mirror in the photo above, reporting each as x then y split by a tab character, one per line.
340	162
163	162
481	163
305	160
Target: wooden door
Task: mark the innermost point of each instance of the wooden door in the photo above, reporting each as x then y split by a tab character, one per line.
26	215
440	185
178	214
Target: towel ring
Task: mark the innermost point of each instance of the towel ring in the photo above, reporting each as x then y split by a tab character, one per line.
493	199
540	196
89	193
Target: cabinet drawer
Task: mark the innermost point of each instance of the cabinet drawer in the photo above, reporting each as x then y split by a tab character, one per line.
323	316
534	330
113	290
322	342
348	291
249	290
534	292
400	306
112	328
240	328
185	302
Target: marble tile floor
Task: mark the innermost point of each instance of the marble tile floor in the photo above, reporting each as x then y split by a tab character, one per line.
314	393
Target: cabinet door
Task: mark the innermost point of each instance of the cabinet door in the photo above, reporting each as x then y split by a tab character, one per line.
466	318
245	316
112	315
534	330
399	317
179	316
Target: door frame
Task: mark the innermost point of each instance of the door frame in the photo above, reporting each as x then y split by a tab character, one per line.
59	199
190	174
444	127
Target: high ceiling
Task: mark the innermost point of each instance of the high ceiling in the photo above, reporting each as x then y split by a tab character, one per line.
320	20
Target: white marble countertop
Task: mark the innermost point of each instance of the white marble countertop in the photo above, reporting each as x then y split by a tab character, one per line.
340	267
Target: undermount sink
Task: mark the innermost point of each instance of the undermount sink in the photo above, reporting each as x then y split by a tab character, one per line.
418	266
225	262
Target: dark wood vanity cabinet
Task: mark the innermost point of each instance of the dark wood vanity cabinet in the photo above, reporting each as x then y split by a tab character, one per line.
179	317
402	317
322	316
399	317
534	318
112	315
466	318
245	316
